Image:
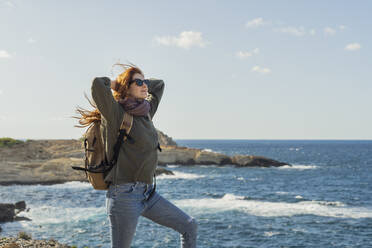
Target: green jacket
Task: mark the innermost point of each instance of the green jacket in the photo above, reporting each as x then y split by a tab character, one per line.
140	158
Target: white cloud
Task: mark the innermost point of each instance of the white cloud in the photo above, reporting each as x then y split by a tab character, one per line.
342	27
242	54
312	32
1	92
186	39
292	30
255	23
4	54
31	40
353	46
9	4
329	31
261	70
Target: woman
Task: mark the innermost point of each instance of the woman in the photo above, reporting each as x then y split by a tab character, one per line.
132	177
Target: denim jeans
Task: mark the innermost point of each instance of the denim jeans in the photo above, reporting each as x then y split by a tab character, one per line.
126	202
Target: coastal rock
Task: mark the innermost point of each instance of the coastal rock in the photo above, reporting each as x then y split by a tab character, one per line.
50	161
46	172
259	161
9	211
190	156
193	156
176	155
19	242
165	140
206	157
159	171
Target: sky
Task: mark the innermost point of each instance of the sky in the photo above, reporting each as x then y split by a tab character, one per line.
232	69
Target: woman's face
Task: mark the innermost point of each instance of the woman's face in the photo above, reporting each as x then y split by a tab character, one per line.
138	91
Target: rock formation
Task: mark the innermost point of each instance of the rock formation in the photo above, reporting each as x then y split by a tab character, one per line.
9	211
50	161
24	241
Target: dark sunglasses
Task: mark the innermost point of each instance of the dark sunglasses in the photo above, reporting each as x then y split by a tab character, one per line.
140	82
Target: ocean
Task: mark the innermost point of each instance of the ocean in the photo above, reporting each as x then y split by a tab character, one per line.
323	200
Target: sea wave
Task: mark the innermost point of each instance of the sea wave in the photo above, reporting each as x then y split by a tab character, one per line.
272	209
298	167
269	234
172	166
249	179
70	185
61	214
209	150
180	175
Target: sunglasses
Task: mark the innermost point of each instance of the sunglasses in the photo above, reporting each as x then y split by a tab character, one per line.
140	82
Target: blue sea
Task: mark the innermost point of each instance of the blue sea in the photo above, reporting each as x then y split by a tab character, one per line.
323	200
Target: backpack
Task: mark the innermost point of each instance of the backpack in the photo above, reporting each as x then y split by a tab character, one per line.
96	164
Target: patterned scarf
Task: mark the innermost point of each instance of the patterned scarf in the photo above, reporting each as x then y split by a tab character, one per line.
135	106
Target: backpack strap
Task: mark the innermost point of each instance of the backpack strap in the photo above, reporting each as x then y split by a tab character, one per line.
125	127
126	124
153	190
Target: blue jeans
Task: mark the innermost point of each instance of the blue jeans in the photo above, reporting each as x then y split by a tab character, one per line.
126	202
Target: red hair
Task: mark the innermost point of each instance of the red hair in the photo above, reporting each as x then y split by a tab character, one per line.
87	117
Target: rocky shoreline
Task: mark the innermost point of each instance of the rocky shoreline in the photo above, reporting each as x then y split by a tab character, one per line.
50	161
22	241
9	212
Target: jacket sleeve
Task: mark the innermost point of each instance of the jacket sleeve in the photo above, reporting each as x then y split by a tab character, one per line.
156	89
102	96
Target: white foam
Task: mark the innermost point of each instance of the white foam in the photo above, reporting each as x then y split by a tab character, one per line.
179	175
299	230
249	179
67	185
282	193
298	167
56	215
209	150
269	234
173	166
254	179
71	185
273	209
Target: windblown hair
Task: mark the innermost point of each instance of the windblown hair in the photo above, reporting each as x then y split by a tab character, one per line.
87	117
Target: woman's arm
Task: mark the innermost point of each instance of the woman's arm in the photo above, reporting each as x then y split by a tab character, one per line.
156	89
102	96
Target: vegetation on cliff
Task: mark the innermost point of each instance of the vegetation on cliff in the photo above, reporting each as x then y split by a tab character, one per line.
9	142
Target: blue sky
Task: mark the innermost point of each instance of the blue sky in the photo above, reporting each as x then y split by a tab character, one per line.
232	69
